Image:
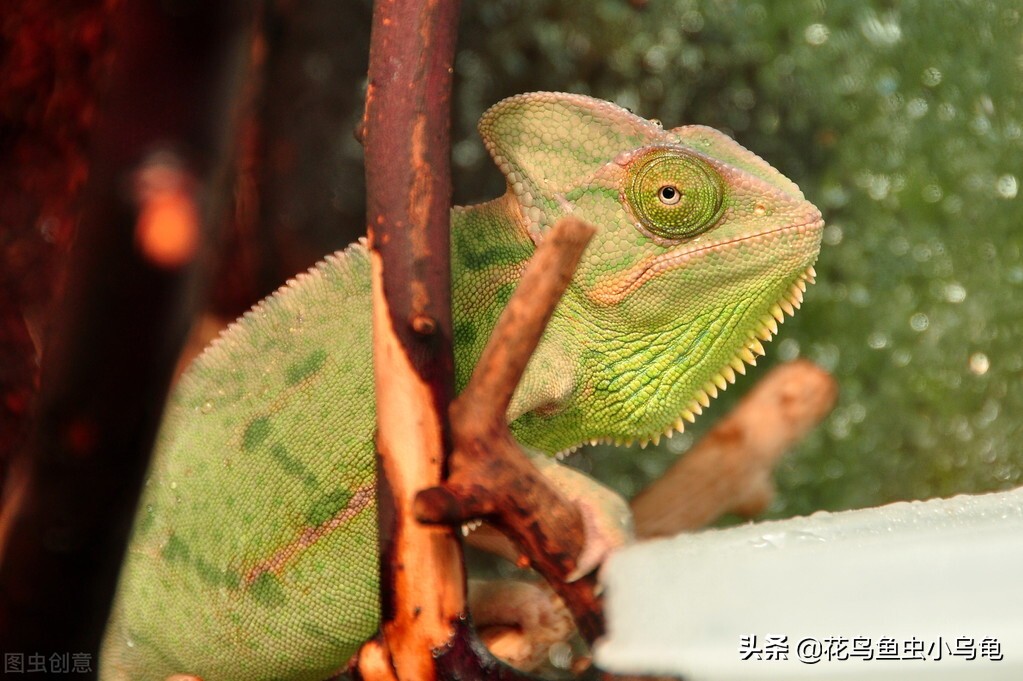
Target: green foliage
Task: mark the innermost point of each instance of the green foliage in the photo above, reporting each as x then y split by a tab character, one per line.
903	122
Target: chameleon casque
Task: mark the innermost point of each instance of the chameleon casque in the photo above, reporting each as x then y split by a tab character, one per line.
254	552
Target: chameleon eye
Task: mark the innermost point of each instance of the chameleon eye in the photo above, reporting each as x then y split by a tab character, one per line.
674	194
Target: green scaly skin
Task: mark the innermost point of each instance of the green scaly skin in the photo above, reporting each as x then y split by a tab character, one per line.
254	552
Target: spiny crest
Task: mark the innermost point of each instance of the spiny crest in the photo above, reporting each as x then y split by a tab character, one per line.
220	346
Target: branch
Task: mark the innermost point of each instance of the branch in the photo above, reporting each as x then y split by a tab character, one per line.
408	184
490	476
729	470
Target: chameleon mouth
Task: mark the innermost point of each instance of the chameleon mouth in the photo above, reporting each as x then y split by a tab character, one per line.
627	283
752	347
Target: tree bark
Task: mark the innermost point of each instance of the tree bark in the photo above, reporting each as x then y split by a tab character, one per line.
408	184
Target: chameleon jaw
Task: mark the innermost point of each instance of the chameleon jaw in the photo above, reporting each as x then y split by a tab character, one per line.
765	330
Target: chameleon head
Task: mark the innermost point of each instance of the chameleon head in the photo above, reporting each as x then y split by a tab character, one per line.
702	248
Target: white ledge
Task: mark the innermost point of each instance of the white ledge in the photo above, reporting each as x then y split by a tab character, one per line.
932	575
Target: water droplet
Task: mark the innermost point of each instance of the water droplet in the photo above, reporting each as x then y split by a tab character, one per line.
919	322
878	340
827	355
206	407
931	77
691	21
955	293
656	58
816	34
979	363
917	107
560	655
833	468
838	425
832	235
859	295
980	124
879	187
48	228
835	195
317	67
763	542
744	99
881	30
932	193
1007	186
899	246
988	413
788	349
759	210
985	104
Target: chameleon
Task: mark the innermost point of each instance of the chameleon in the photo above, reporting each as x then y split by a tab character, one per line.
254	550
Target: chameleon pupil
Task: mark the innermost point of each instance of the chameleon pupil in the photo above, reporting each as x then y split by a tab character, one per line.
669	195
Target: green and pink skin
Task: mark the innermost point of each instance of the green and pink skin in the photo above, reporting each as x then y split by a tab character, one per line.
254	552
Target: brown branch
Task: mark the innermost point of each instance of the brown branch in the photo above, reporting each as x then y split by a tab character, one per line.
490	476
488	394
408	183
134	274
729	470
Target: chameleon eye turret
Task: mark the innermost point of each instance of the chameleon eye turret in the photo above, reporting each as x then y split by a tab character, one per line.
674	194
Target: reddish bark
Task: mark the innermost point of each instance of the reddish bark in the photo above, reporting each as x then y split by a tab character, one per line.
408	184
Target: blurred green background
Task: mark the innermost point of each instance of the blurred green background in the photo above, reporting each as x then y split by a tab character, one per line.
903	122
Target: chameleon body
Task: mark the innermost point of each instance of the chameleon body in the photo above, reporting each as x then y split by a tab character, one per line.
254	551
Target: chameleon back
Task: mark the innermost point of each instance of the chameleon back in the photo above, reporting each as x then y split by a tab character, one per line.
261	490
